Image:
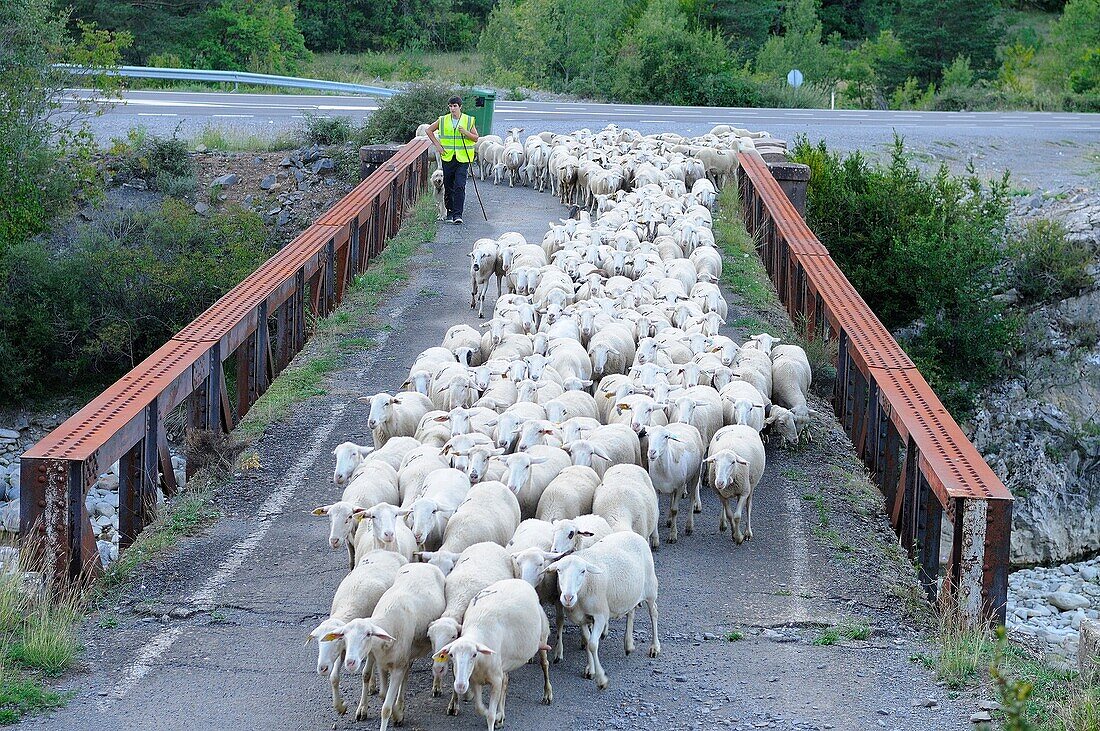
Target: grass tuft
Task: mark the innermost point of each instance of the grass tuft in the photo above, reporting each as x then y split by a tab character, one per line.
742	270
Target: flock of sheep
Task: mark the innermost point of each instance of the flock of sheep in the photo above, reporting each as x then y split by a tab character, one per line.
522	469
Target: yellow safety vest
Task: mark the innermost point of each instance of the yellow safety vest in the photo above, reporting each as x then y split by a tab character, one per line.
454	144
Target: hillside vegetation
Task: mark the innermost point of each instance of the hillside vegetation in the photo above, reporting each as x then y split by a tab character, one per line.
902	54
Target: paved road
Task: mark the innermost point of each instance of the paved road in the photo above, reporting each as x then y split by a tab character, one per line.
1042	150
213	637
273	107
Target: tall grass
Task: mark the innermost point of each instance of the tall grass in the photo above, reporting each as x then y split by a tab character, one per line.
38	638
231	140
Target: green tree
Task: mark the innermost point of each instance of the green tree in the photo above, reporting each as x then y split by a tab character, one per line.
661	58
745	24
159	29
801	47
936	32
252	35
1071	59
875	69
565	44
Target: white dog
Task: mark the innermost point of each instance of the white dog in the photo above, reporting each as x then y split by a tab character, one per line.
437	192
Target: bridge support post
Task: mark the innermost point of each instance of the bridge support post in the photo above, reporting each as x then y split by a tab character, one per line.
793	178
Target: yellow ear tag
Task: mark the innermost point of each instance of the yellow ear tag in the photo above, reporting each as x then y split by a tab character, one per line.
441	658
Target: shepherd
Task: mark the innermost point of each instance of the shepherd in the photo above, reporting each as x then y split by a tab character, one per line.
456	133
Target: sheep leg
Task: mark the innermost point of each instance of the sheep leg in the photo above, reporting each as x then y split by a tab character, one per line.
399	706
697	503
338	704
547	689
655	645
748	517
393	687
586	635
599	624
351	553
723	514
738	536
473	295
373	674
654	539
673	512
478	703
494	704
503	703
689	528
559	649
454	705
481	298
362	711
628	637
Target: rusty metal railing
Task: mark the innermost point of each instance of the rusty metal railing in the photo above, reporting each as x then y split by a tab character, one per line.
922	462
262	321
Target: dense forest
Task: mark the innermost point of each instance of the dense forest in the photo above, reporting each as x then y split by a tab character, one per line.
930	54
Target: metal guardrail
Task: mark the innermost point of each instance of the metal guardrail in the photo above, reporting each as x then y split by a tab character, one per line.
262	321
233	77
922	462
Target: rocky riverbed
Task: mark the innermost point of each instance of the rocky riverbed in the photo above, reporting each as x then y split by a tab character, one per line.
1046	606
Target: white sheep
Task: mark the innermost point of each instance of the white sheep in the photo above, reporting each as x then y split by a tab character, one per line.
610	445
350	456
742	403
464	341
490	513
571	404
376	484
386	530
504	627
791	376
395	634
627	501
415	468
483	265
577	534
736	459
356	597
675	462
569	494
474	569
428	514
530	472
395	416
608	580
755	367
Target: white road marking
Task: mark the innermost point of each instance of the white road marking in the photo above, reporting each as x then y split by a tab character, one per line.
800	553
157	114
204	598
234	116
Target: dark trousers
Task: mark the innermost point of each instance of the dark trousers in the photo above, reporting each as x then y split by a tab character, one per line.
454	185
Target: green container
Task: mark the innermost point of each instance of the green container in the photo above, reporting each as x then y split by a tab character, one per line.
480	107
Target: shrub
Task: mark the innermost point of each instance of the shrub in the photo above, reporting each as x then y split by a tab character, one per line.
1048	266
924	253
326	130
398	117
85	316
161	161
